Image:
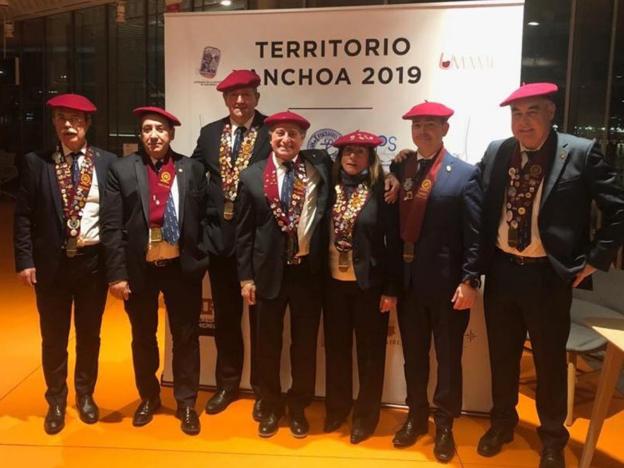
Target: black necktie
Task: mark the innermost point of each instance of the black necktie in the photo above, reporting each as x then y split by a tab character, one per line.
238	140
75	168
158	166
423	168
287	185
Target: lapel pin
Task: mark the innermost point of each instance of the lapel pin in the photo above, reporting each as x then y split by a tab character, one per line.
180	169
448	168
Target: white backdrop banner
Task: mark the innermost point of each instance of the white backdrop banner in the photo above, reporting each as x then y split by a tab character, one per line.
355	68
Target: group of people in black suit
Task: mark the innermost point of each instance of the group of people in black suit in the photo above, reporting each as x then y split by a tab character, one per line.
279	226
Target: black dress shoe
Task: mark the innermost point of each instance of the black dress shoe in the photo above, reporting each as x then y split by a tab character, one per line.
87	409
258	413
333	423
268	426
444	448
189	420
492	441
410	431
145	412
552	458
299	426
54	421
360	432
221	400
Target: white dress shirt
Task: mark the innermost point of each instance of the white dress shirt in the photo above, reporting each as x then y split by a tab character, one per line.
535	247
89	225
304	230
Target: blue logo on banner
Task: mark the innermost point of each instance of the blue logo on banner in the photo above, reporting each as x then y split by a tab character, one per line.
323	139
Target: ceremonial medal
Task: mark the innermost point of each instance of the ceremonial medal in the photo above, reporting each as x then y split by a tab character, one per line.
408	195
408	184
292	248
408	252
71	247
343	261
535	170
155	235
228	210
73	223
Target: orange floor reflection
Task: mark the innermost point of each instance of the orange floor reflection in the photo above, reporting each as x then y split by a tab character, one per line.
227	439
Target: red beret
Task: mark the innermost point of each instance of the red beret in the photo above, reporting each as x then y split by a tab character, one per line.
140	111
429	109
239	79
530	90
358	138
287	117
72	101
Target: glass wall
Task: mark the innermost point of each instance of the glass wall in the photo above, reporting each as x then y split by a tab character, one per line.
118	62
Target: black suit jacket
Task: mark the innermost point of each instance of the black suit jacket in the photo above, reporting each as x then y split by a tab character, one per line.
578	175
447	251
125	221
218	232
260	244
376	243
39	228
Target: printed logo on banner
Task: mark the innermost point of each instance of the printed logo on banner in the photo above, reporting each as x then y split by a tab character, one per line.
210	62
323	139
466	62
206	318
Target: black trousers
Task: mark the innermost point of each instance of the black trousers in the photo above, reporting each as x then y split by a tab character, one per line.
347	308
302	292
82	283
419	319
529	298
183	301
228	305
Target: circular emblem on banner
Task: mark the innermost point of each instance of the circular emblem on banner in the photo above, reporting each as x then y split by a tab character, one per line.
426	185
85	179
323	139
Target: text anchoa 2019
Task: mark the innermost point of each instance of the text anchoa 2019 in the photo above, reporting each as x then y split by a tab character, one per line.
329	76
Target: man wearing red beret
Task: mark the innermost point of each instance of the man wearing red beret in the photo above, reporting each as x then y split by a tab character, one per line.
280	236
439	204
155	204
226	147
57	251
539	186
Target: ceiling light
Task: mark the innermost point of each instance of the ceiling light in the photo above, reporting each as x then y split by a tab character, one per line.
533	23
226	2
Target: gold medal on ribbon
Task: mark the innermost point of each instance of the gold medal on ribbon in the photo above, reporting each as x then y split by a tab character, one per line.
228	210
408	252
155	235
343	261
71	247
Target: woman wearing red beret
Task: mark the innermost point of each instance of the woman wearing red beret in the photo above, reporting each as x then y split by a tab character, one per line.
364	263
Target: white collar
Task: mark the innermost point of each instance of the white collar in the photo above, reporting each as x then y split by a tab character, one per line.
67	151
247	124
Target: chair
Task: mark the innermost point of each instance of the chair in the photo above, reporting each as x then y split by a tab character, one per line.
605	301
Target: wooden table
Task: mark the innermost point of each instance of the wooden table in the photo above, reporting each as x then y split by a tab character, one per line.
613	331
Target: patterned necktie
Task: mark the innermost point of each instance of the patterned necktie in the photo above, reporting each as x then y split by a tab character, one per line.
238	140
287	185
170	228
75	168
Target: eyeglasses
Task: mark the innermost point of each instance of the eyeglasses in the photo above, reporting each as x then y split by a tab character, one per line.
72	119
